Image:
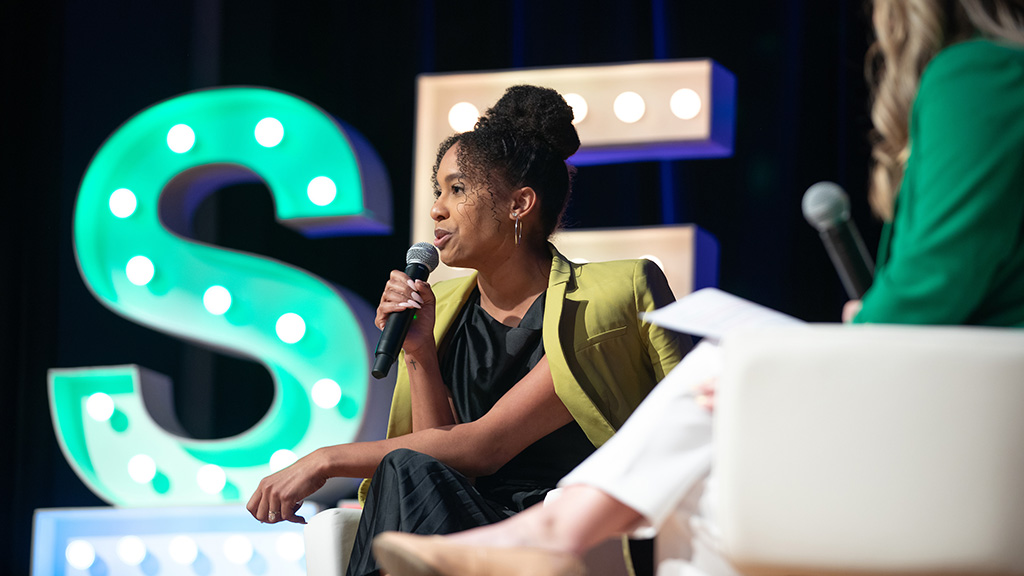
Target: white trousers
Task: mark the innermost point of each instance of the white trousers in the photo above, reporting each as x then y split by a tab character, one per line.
659	464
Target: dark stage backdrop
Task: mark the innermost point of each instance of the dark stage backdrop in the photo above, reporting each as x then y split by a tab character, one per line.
74	71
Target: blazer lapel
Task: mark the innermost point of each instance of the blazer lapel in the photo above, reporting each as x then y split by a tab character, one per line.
447	309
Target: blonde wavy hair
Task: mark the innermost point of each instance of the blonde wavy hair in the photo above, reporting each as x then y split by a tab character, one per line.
908	34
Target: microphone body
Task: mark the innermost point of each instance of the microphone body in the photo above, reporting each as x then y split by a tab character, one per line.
827	208
420	262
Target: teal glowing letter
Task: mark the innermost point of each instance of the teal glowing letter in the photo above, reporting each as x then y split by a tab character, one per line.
115	424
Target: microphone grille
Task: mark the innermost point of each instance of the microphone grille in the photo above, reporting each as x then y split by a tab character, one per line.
422	253
825	205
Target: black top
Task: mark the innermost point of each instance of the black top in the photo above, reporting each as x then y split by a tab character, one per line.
481	360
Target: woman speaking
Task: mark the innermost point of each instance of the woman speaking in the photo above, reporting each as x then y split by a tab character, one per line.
511	376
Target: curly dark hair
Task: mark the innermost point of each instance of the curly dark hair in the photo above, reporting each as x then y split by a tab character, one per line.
523	140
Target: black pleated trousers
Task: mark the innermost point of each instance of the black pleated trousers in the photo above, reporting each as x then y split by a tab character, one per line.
413	492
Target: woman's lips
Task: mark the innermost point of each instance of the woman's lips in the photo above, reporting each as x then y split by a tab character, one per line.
441	237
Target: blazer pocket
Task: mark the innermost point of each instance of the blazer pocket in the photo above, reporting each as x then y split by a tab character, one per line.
602	337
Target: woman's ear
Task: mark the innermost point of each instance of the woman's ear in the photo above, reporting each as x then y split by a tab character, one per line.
524	201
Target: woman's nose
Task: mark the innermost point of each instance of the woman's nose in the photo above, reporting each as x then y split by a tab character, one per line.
438	211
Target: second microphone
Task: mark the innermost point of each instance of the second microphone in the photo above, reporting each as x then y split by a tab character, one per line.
827	207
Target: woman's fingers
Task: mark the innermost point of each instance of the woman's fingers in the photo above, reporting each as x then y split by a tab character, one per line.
400	293
394	292
283	508
416	296
850	310
400	289
279	495
274	514
706	394
424	291
289	509
260	503
271	505
253	506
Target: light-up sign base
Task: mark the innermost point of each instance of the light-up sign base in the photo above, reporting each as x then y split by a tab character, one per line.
179	541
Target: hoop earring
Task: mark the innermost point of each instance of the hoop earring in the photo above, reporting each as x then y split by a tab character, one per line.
518	229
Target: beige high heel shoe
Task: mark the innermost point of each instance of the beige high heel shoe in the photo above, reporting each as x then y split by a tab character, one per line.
402	554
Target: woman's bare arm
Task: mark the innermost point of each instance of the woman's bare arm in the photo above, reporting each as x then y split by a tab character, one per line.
525	414
430	398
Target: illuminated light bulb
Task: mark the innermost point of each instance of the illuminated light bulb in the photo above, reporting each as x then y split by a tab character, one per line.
181	138
290	328
80	554
131	550
183	550
269	132
140	270
100	407
685	104
654	259
123	203
463	116
578	105
142	468
629	107
326	393
290	546
321	190
282	459
238	549
211	479
217	300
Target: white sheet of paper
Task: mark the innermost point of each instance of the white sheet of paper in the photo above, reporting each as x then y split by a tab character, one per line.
712	313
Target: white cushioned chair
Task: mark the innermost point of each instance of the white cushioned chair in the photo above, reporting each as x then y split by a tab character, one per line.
872	450
328	538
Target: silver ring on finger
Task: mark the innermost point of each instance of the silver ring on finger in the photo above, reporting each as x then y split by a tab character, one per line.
271	515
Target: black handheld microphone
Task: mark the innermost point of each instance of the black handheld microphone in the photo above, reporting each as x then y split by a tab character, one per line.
827	208
420	261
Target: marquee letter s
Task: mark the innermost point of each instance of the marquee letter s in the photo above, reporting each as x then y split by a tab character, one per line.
133	208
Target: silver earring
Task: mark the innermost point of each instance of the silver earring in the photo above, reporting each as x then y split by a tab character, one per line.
518	229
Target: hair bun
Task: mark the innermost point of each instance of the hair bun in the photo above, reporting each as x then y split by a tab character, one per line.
536	112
